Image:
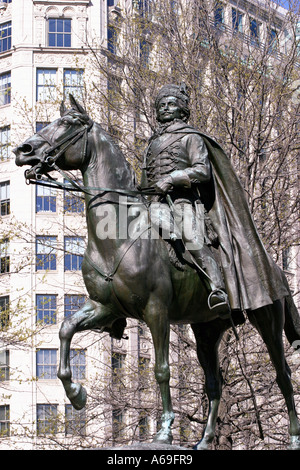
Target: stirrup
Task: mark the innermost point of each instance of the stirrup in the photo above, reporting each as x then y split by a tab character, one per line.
222	307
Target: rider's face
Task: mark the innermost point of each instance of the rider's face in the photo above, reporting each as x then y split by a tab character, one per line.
169	109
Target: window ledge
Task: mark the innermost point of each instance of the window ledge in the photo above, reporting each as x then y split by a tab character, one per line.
49	49
6	53
46	271
47	213
72	271
63	2
47	381
60	49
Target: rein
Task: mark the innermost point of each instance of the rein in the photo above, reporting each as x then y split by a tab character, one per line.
52	183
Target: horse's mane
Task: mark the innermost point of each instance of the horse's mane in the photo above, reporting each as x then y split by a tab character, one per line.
77	111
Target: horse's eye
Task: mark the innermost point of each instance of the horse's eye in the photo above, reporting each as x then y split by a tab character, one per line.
64	122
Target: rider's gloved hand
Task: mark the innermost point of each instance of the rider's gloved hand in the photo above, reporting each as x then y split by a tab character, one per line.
164	185
177	178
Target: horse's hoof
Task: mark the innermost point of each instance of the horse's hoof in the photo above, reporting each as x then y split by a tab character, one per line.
78	399
294	443
163	437
202	445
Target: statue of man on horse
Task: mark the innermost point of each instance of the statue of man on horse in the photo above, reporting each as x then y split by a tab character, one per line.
135	277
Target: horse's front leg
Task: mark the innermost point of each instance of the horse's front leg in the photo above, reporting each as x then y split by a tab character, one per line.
160	329
86	318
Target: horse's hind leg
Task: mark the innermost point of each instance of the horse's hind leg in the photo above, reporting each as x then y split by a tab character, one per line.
88	317
208	337
269	322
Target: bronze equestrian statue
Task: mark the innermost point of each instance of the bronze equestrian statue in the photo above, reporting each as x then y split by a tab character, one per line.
136	277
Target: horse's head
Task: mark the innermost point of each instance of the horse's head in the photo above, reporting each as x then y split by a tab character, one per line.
61	144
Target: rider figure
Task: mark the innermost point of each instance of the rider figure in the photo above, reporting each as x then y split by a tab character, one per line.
177	166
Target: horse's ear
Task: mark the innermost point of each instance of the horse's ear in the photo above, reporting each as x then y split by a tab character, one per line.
62	108
75	105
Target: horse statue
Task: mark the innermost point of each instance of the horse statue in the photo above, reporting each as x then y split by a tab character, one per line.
136	278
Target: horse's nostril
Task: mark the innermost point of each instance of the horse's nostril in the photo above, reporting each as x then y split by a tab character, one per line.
25	149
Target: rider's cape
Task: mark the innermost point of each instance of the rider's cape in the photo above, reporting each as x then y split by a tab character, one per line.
252	278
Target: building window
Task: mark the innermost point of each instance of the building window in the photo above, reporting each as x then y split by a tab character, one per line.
46	253
46	364
59	32
75	421
272	41
46	309
74	250
73	83
114	86
5	36
40	125
143	427
4	256
73	302
237	20
117	367
145	49
5	198
4	421
5	88
144	370
117	424
73	201
254	31
77	363
4	365
286	259
141	330
219	15
112	38
185	431
46	419
45	199
46	84
144	7
4	312
5	143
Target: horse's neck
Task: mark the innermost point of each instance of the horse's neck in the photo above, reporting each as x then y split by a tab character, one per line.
107	169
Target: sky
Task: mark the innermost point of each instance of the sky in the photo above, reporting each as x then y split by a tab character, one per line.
285	4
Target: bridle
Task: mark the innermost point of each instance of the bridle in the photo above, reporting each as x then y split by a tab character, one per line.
68	141
50	160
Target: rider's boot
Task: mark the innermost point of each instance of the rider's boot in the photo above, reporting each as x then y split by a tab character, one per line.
218	301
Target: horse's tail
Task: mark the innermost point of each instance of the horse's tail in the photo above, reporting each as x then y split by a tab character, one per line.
292	319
